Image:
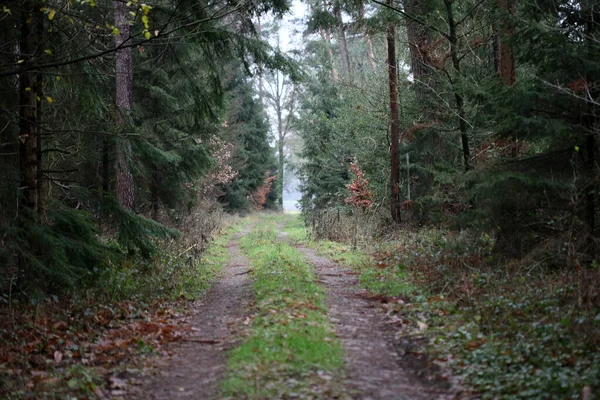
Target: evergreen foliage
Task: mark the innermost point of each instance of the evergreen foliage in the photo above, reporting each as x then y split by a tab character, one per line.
60	222
513	155
246	125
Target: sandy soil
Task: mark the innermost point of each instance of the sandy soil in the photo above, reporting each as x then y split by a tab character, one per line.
198	363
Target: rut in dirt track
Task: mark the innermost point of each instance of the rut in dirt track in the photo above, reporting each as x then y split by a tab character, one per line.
377	369
198	365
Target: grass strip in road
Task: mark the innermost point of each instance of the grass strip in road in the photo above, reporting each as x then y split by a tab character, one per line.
291	350
377	274
508	332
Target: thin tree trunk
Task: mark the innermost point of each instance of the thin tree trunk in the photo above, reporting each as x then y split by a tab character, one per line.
105	166
326	36
124	102
591	159
496	47
418	43
507	61
154	193
460	105
28	107
280	136
370	53
341	33
394	124
281	170
368	43
39	188
260	71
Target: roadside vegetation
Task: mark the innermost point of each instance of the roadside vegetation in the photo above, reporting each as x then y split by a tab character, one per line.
85	344
290	350
508	330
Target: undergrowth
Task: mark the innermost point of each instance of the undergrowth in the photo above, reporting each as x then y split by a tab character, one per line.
291	351
509	330
77	346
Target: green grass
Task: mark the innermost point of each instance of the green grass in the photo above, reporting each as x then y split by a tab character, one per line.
517	335
291	350
174	273
389	280
213	260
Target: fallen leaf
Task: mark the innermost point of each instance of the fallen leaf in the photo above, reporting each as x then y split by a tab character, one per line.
116	383
58	356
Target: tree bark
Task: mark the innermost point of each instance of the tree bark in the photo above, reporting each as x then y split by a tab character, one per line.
394	123
29	92
326	36
341	33
368	43
418	42
154	198
280	134
496	47
124	103
459	100
105	166
260	71
507	61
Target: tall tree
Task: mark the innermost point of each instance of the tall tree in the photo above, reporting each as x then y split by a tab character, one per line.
507	61
394	122
419	41
30	99
341	36
281	98
366	34
124	103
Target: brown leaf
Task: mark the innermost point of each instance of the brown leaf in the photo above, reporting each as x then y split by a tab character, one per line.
116	383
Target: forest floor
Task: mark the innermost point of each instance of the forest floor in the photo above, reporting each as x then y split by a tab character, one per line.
286	317
351	353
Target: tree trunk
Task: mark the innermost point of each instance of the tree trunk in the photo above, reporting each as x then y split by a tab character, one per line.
124	102
496	47
280	140
459	100
368	43
394	124
105	166
418	43
154	199
341	33
281	171
326	36
39	188
591	160
260	71
507	61
29	92
370	53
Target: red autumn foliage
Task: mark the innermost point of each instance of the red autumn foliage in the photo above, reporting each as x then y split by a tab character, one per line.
45	342
407	205
508	148
259	197
477	42
222	173
579	86
409	134
361	195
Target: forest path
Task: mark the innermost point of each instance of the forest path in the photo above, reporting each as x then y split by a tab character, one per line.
376	363
374	356
197	366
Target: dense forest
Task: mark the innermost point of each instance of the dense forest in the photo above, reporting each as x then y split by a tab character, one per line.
452	144
120	123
